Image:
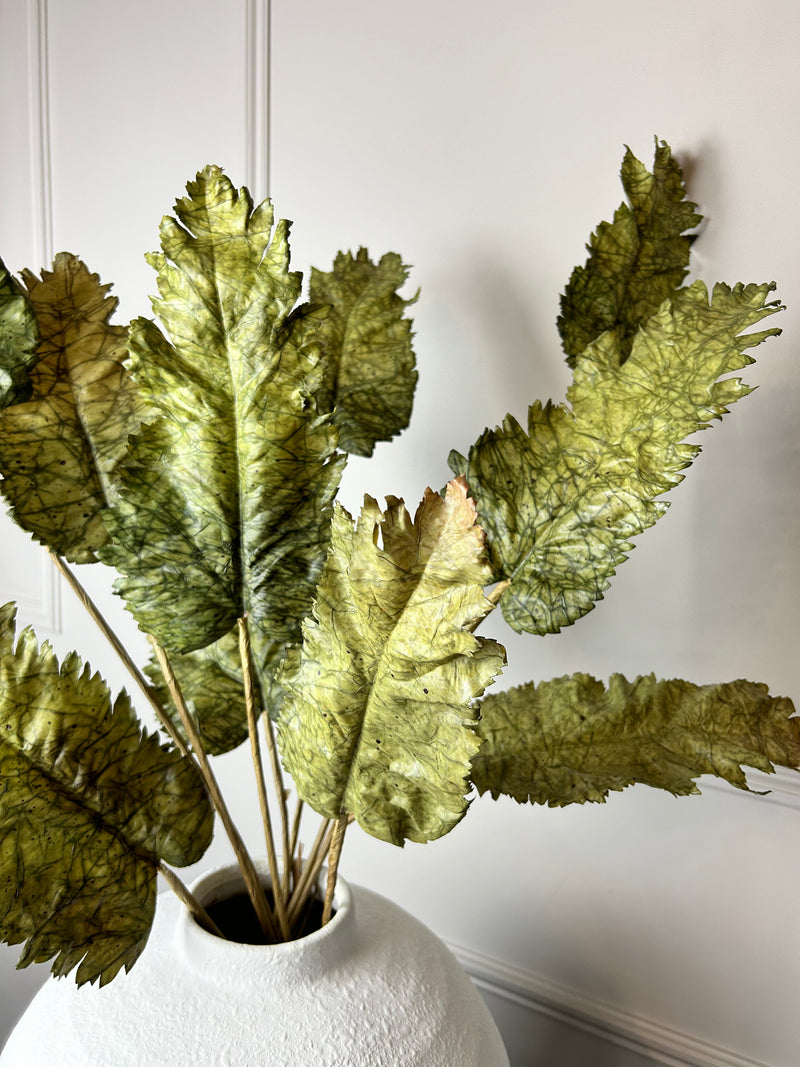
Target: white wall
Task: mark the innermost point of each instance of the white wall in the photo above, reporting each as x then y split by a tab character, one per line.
483	142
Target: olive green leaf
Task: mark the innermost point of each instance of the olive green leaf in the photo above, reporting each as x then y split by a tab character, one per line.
378	717
561	501
60	449
211	682
572	740
368	348
224	507
89	806
19	337
635	262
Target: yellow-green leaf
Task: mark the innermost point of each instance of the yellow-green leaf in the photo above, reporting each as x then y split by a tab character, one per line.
572	739
60	449
224	507
378	717
89	805
561	501
369	358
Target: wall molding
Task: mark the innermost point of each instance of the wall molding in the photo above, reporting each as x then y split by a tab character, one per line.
41	172
257	97
528	992
43	610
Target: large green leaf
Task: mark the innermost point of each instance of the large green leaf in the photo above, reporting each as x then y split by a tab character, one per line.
370	360
635	262
224	508
211	682
572	740
561	502
89	806
60	448
378	717
19	337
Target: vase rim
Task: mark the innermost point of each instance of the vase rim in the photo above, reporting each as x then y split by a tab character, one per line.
222	881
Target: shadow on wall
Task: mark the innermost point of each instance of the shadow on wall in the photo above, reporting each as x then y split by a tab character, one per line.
518	357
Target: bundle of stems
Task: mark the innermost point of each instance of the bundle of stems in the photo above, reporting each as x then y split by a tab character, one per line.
294	878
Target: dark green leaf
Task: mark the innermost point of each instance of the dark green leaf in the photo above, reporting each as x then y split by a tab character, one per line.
60	448
369	358
211	683
18	339
636	262
224	507
89	805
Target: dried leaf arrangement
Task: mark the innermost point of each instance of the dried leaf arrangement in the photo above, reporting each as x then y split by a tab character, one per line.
199	454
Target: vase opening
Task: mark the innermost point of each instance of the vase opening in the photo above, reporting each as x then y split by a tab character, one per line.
235	917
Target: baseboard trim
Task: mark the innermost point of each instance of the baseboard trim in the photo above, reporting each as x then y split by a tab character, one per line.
535	993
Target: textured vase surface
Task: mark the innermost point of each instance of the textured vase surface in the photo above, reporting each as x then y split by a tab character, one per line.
374	988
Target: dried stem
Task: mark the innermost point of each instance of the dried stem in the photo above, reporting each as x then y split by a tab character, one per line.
280	789
310	870
277	777
120	650
246	864
252	729
298	815
494	599
333	865
185	895
497	592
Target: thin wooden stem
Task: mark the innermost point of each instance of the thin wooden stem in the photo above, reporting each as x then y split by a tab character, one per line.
185	895
334	856
245	653
119	648
298	815
243	858
280	790
277	773
311	868
494	599
495	594
197	755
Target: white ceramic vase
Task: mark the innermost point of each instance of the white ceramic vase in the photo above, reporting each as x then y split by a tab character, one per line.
374	988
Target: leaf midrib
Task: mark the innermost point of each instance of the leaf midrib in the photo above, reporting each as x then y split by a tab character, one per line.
383	668
237	538
57	345
77	800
